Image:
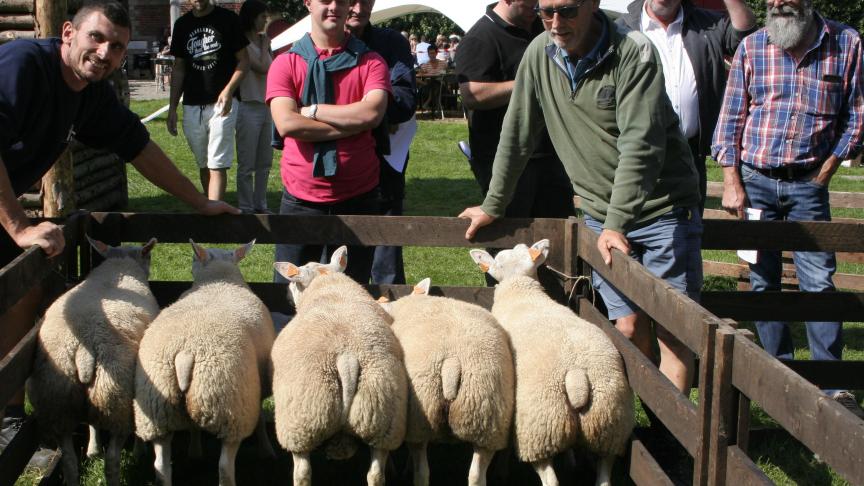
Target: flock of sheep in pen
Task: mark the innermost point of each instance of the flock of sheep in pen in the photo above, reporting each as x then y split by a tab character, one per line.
347	369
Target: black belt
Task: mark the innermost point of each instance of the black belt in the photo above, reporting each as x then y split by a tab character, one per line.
786	173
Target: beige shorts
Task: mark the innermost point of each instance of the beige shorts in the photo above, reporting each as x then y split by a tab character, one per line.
210	136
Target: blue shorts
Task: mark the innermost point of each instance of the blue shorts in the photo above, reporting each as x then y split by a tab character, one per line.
669	247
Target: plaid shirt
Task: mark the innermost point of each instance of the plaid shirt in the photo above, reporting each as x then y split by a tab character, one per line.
776	112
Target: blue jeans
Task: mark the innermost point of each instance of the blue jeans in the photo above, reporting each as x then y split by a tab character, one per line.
359	257
793	200
669	247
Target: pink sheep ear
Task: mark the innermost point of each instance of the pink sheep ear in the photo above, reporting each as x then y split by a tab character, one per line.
287	270
339	260
483	259
101	248
147	248
538	250
240	253
200	252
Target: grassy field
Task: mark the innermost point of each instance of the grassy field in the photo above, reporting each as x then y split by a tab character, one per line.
440	183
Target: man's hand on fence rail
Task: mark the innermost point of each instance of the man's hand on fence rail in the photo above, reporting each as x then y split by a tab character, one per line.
211	208
478	219
46	235
610	239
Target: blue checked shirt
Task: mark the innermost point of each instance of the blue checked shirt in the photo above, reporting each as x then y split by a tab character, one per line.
777	112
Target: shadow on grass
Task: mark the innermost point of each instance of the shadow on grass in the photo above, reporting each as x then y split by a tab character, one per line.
439	196
781	456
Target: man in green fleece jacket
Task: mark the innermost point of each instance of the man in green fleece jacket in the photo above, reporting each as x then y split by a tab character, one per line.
599	91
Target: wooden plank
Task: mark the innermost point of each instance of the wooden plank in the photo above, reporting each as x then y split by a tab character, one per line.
275	296
705	406
724	402
740	271
837	199
17	454
782	235
735	270
742	471
16	22
350	230
644	470
679	314
52	471
17	6
675	410
15	367
785	306
847	375
821	424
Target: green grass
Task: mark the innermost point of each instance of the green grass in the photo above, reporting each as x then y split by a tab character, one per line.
440	183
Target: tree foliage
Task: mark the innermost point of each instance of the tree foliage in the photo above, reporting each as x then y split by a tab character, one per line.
850	12
424	24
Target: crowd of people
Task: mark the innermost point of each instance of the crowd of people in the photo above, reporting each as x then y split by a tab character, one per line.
562	100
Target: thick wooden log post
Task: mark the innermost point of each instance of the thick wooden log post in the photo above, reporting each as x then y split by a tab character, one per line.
17	6
58	183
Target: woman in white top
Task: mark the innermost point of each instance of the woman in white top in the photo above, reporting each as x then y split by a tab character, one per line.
254	124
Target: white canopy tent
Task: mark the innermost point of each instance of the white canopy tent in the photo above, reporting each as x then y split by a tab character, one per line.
462	12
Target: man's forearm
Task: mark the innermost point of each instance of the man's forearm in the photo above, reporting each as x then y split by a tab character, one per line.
12	216
177	77
740	15
355	117
297	126
485	96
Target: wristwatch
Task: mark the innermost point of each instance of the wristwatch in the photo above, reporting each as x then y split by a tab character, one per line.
313	110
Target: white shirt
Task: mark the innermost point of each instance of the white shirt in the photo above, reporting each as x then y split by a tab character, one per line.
677	69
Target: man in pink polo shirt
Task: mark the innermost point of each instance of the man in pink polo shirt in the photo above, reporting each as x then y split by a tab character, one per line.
326	95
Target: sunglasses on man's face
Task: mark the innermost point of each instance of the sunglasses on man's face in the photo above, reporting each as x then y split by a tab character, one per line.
566	11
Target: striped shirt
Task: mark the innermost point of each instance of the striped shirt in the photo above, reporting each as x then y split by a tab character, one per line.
779	112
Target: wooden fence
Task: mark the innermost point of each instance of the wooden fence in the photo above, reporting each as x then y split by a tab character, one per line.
732	370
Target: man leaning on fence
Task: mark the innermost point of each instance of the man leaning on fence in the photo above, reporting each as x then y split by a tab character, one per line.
793	110
52	90
599	91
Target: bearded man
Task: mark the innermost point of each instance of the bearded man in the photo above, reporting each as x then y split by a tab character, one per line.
792	111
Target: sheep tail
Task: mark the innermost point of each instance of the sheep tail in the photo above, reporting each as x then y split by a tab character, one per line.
577	387
85	364
184	362
451	376
349	372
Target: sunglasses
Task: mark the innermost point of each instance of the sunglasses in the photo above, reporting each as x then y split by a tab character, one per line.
566	12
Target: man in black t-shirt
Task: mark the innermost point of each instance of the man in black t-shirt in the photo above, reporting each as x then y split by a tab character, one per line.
486	64
210	61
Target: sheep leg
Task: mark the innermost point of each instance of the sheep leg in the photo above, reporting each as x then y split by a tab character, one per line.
93	445
302	469
479	465
375	476
162	463
546	472
421	463
265	449
112	459
226	463
195	444
604	471
69	460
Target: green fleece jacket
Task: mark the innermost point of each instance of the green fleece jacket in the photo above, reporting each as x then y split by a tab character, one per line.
616	134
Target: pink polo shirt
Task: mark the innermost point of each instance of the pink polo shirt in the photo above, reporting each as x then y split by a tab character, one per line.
358	165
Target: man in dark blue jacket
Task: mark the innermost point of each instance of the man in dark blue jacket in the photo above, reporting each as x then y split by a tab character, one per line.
387	266
53	90
692	43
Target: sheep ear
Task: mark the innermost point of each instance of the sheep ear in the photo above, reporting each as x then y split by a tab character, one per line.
147	248
483	260
101	248
383	299
539	251
201	253
287	270
240	253
422	287
339	260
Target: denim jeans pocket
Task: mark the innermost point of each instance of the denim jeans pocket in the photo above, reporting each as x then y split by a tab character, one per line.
747	173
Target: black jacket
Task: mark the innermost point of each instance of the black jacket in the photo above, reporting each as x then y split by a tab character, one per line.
708	38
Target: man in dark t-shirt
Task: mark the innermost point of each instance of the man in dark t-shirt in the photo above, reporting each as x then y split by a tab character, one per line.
486	64
52	90
210	60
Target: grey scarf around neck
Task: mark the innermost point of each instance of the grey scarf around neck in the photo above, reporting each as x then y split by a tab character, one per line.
318	88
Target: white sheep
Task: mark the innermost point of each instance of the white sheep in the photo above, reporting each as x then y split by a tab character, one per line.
84	369
571	385
337	369
460	378
204	362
